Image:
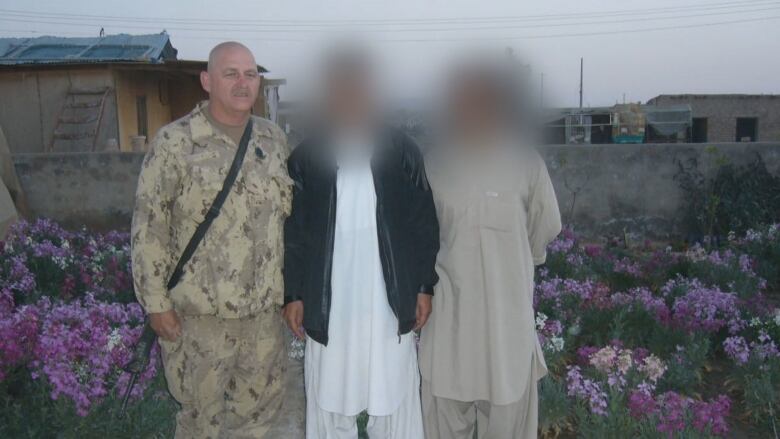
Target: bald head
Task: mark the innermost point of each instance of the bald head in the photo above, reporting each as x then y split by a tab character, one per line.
232	82
228	47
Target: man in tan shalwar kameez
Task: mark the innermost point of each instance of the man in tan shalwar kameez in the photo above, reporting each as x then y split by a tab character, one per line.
480	358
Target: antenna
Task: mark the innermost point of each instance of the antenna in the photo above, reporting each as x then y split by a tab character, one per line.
581	63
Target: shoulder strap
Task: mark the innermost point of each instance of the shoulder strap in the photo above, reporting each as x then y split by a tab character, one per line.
213	211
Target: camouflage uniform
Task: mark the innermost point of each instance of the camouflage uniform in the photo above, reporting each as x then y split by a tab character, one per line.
227	369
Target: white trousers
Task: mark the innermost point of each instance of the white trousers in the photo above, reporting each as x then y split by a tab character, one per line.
405	423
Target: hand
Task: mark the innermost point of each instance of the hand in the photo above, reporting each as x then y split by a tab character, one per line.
424	308
166	324
292	313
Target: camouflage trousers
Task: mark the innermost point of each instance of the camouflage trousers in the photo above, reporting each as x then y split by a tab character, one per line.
228	375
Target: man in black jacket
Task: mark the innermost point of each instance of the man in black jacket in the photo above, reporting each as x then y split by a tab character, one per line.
360	251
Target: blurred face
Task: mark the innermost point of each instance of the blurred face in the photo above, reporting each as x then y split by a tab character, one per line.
350	101
475	107
232	81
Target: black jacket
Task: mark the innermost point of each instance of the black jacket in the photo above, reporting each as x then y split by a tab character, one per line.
407	229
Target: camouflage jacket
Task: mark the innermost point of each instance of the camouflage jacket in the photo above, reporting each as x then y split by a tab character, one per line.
236	271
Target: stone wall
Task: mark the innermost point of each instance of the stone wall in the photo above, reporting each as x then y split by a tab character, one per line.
93	189
606	189
602	189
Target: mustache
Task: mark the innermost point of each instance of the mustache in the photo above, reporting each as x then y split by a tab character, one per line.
241	92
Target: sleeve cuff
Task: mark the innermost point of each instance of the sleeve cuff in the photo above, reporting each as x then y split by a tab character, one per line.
290	299
540	259
156	304
426	289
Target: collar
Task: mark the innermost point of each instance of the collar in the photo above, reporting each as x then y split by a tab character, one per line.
202	129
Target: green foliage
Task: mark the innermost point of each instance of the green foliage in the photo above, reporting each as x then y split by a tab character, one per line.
761	393
764	247
686	364
735	199
27	411
554	406
617	424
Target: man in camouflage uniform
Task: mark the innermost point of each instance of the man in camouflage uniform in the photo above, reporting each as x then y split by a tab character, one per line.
221	335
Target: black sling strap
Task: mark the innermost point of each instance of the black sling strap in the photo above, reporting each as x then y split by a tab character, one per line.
213	211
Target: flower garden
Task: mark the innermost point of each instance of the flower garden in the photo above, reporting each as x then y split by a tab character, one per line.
641	341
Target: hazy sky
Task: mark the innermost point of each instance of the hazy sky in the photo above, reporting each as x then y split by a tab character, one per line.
689	52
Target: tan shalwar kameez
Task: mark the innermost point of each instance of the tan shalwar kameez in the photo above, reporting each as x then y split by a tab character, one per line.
480	358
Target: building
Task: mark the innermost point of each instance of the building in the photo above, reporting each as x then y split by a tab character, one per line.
95	94
729	117
621	123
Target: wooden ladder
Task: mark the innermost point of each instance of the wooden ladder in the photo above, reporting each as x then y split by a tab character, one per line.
78	124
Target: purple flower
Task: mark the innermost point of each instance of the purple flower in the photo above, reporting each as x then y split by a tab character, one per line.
737	349
641	404
586	389
711	416
705	309
673	408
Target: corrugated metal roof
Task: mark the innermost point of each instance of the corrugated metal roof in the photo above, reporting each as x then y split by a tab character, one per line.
154	48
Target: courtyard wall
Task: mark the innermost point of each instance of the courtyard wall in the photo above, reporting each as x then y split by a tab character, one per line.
601	189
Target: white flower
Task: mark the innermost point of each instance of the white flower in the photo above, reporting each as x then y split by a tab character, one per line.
755	321
624	361
541	319
777	316
653	367
60	261
114	339
557	344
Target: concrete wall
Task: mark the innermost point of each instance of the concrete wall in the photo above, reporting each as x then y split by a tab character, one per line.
93	189
722	112
605	189
602	189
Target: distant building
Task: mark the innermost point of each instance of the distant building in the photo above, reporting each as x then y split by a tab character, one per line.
94	94
621	123
729	117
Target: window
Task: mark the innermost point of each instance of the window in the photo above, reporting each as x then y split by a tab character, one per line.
140	107
747	129
699	130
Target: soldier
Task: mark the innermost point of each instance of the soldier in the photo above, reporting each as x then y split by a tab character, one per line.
221	336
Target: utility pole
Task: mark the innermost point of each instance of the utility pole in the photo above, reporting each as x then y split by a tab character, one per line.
541	92
581	62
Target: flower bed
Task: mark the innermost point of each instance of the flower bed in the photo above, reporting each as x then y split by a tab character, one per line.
661	343
68	323
649	342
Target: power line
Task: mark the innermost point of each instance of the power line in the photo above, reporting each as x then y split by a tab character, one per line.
395	30
588	34
453	20
494	39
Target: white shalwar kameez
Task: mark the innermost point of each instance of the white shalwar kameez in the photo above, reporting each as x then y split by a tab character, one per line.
365	366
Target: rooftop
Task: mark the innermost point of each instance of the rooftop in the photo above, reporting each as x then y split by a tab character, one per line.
152	48
692	96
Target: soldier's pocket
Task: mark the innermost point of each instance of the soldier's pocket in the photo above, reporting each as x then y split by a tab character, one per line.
200	187
176	369
270	188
